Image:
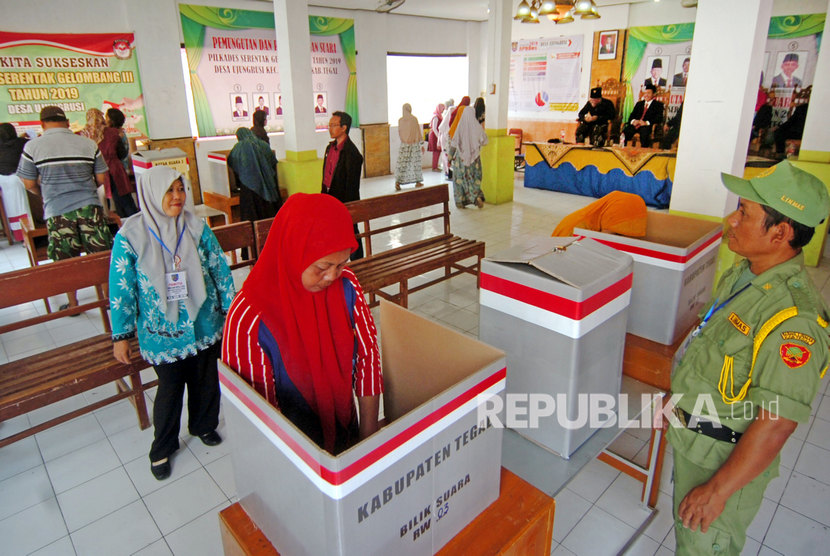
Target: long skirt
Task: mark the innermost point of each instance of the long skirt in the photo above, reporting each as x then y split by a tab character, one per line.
16	203
409	164
466	180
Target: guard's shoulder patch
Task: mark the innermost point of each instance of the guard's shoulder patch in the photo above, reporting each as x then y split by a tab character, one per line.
794	355
736	321
800	336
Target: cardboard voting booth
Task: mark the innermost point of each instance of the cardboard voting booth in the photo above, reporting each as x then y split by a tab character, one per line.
674	271
173	157
558	307
221	180
407	489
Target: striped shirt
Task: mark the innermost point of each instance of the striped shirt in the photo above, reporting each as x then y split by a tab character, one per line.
66	165
244	352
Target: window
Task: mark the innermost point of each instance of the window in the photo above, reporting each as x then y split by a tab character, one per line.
424	82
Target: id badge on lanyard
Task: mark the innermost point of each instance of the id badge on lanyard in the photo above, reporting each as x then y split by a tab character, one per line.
176	281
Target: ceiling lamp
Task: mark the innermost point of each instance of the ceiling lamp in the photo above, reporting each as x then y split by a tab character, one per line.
522	11
547	8
567	18
593	14
583	7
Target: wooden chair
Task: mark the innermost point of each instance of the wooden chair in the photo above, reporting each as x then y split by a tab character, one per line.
518	157
261	229
237	236
614	90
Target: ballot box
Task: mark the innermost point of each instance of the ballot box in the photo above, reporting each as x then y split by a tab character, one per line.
674	271
558	308
409	488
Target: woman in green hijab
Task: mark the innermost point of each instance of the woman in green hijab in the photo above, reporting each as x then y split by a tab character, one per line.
255	167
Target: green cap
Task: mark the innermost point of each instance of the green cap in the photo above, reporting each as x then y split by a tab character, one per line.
791	191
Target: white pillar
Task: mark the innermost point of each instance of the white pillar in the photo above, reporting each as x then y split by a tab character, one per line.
727	54
499	30
293	49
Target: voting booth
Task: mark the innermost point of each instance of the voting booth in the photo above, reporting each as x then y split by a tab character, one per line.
406	490
674	271
558	308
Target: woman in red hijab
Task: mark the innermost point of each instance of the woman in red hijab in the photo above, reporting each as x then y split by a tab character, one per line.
300	331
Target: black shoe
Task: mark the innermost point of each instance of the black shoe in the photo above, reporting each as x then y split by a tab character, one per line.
65	306
160	471
211	438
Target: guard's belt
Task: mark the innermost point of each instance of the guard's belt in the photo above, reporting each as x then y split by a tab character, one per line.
707	428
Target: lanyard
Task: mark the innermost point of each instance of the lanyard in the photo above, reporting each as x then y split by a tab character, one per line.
173	254
715	307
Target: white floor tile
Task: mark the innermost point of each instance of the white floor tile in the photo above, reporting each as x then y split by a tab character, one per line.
598	533
767	551
81	465
183	462
776	486
207	454
758	528
751	547
820	433
560	550
56	409
14	425
124	531
158	548
70	436
31	529
813	463
221	471
792	533
664	551
592	481
61	547
201	536
622	499
643	546
570	508
18	457
132	442
96	498
183	500
663	522
24	490
807	497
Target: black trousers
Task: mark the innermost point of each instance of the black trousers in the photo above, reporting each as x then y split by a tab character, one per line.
200	375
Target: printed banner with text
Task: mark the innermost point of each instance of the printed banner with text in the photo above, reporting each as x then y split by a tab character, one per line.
75	72
234	70
544	75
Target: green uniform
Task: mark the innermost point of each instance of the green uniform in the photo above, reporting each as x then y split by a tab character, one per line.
789	363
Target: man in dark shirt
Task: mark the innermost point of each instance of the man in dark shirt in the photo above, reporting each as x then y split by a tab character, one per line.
594	118
342	165
646	113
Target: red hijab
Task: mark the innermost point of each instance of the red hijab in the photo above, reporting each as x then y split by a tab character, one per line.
313	330
464	102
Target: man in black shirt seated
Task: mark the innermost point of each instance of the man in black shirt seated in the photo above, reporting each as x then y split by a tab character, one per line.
646	113
594	118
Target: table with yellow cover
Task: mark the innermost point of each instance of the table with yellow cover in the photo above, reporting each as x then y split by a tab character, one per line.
595	172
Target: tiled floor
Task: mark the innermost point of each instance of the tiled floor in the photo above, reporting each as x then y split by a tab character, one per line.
85	488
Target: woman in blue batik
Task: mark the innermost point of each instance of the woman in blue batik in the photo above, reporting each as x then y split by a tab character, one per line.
170	285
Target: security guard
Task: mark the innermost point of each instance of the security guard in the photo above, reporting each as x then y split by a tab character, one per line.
747	375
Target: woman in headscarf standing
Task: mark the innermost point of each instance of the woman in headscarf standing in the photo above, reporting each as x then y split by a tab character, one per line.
467	136
15	200
255	167
444	137
479	107
170	285
300	331
95	124
432	142
118	186
409	169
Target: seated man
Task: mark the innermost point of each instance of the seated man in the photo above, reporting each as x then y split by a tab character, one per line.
594	117
646	113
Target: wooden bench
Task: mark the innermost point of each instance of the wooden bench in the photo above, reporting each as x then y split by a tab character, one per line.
39	380
239	235
399	265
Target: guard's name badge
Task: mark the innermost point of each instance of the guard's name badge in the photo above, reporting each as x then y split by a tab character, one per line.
176	285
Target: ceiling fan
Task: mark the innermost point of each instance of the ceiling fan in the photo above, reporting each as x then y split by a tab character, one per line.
388	5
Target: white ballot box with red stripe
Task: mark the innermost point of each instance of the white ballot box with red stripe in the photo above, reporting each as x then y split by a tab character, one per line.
674	271
557	307
407	489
